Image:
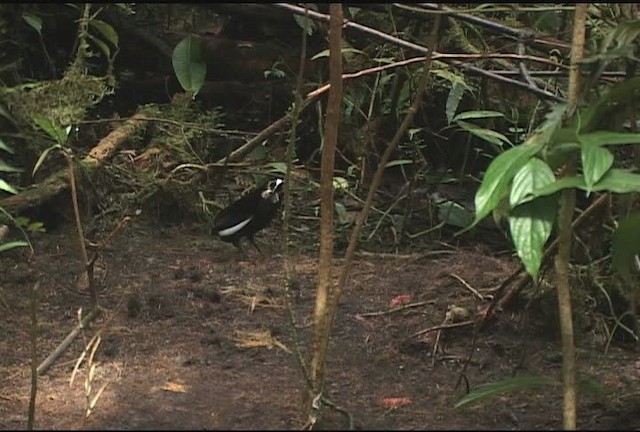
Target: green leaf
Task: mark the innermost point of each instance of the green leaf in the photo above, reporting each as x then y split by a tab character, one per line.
530	226
546	131
7	187
477	114
488	390
625	245
42	157
558	155
33	20
340	183
454	98
602	138
106	30
54	131
12	245
5	147
535	174
305	23
500	172
188	65
615	180
341	211
559	184
596	161
4	167
486	134
36	227
103	46
398	162
325	53
454	214
618	181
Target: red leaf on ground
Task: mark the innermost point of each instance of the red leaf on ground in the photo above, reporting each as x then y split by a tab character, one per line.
395	402
400	299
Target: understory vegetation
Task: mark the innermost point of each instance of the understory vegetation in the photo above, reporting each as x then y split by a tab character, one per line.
512	126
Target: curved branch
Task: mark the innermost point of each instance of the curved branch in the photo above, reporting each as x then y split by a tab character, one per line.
419	48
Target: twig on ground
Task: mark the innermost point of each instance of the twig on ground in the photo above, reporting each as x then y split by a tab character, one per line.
44	366
467	286
441	327
397	309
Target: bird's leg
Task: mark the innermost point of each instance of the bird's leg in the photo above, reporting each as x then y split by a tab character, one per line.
238	246
253	242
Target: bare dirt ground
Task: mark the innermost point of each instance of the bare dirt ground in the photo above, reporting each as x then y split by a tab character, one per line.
176	303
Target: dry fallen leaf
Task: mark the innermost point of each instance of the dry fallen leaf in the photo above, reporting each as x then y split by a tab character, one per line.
174	387
395	402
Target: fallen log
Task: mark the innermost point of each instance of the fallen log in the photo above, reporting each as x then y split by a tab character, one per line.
58	182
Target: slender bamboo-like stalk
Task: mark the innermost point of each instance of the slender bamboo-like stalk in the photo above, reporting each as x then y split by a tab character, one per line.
325	291
565	215
34	356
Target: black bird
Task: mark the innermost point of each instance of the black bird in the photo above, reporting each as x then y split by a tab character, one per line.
248	215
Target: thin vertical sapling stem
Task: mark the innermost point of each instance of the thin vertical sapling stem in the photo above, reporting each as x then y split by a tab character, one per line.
377	178
88	265
325	290
34	356
565	215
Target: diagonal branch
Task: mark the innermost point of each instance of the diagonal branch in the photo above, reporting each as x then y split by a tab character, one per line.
424	50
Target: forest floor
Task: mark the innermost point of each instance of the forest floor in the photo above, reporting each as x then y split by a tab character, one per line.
198	336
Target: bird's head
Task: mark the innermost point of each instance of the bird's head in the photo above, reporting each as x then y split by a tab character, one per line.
271	192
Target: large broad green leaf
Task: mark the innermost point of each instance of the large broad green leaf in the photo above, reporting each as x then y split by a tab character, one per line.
188	64
562	183
551	188
495	183
530	226
602	138
626	245
596	161
535	174
619	181
615	180
485	391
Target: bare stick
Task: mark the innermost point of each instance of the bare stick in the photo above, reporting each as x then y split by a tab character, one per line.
88	266
377	178
34	355
441	327
397	309
467	286
67	341
419	48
